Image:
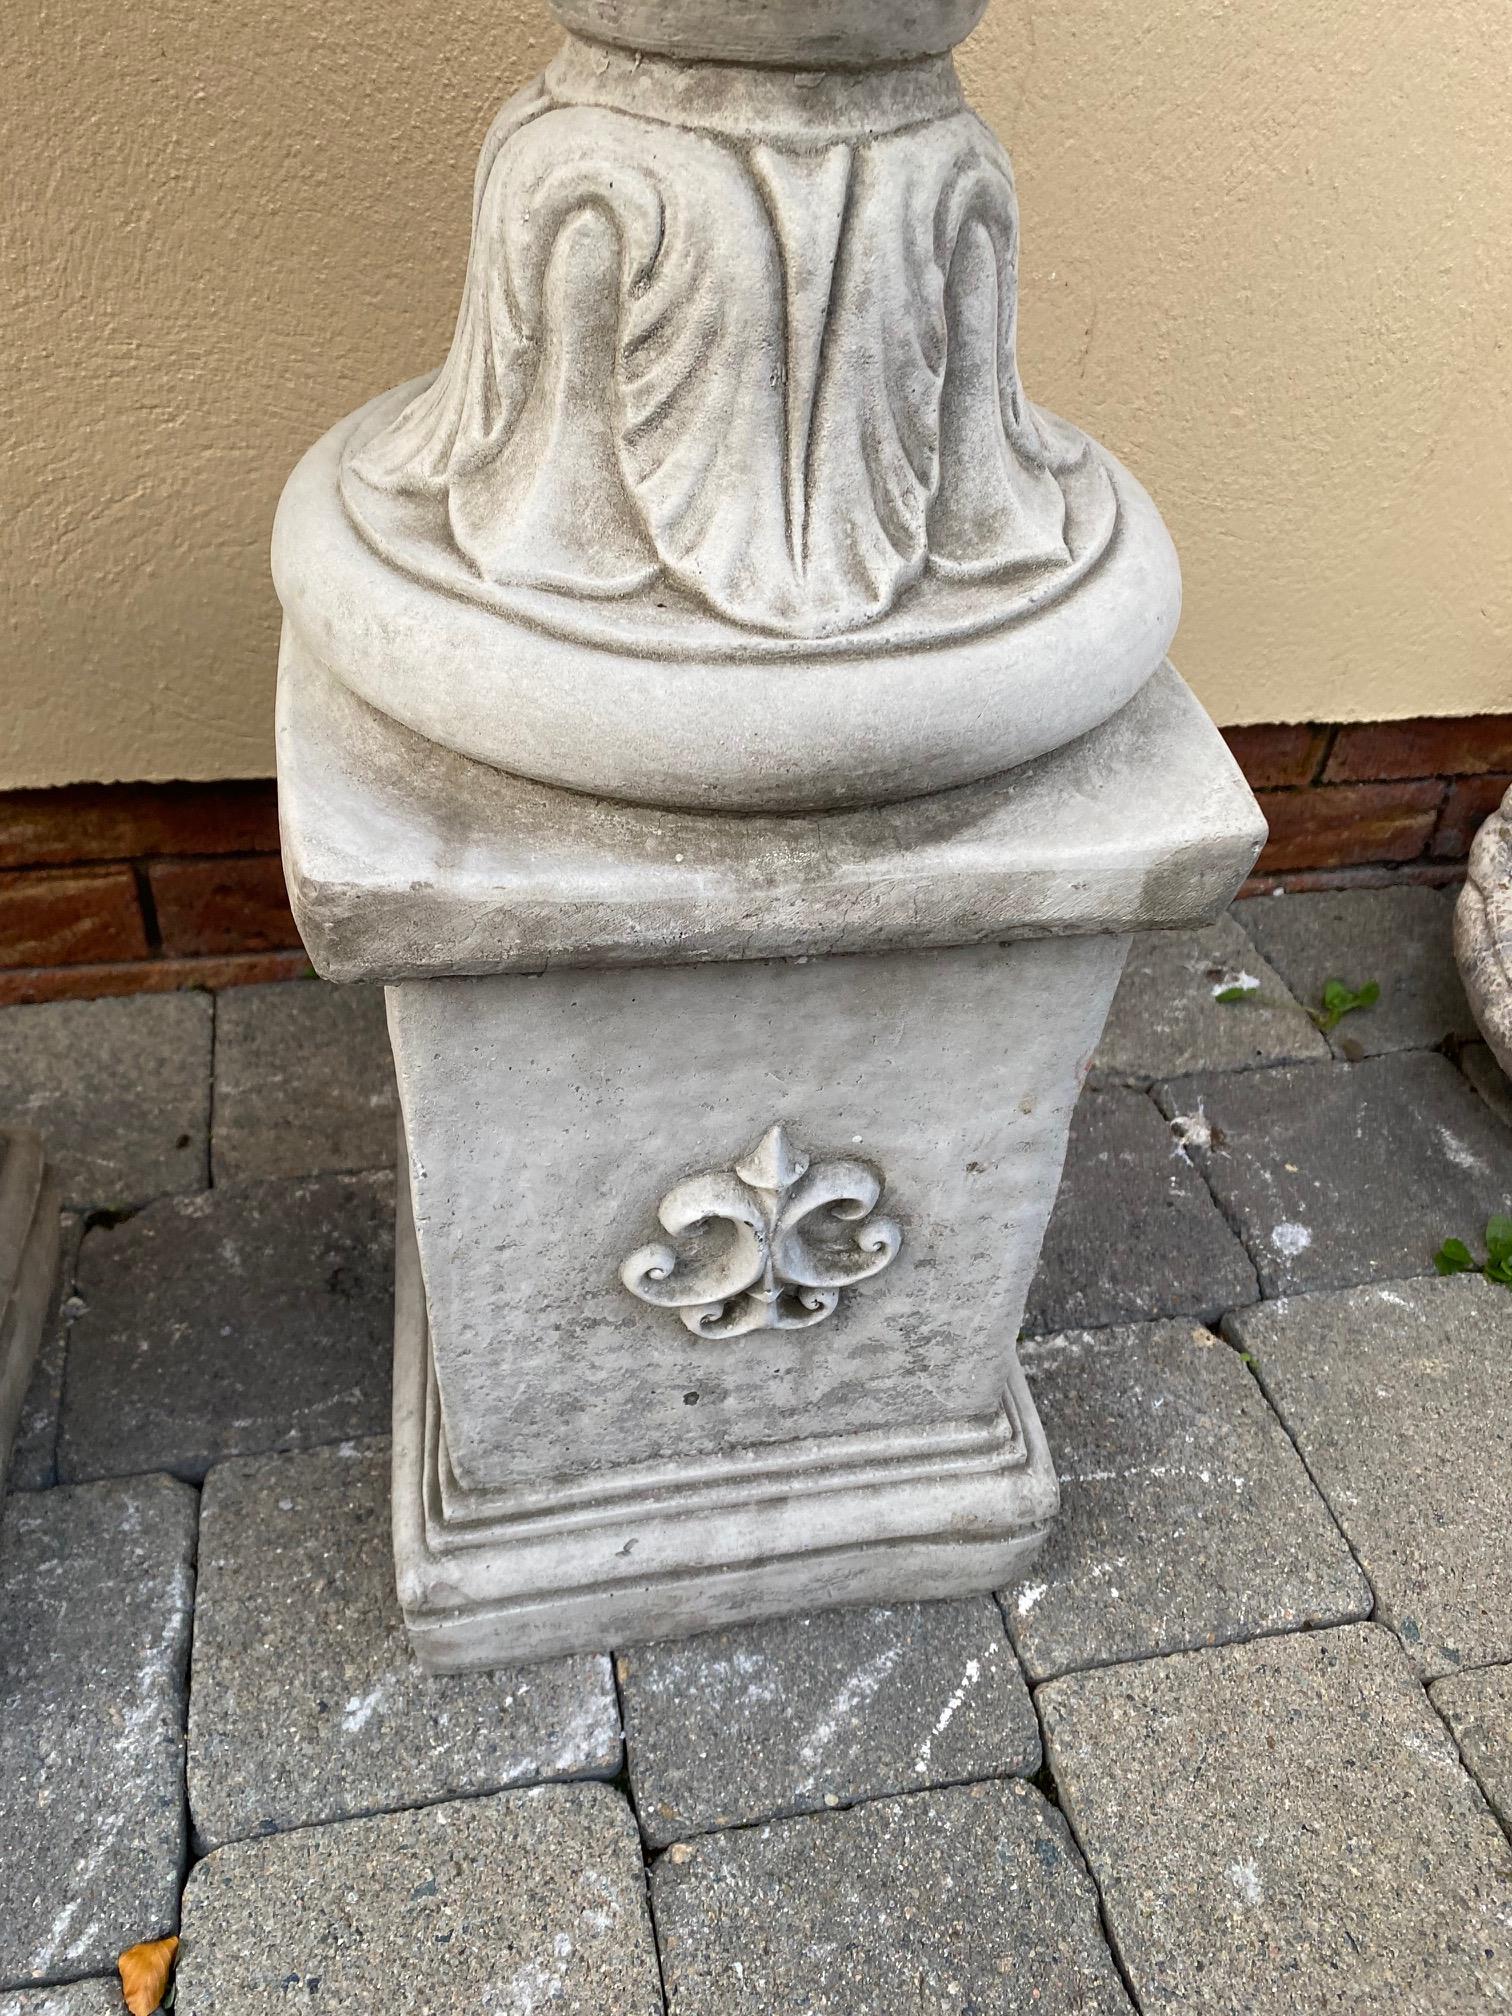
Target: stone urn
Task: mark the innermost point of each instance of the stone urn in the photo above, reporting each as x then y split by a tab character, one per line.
733	722
1483	932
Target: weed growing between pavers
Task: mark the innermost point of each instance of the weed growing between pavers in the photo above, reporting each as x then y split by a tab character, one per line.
1455	1257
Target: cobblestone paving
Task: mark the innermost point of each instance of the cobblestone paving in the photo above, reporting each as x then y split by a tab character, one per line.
1240	1741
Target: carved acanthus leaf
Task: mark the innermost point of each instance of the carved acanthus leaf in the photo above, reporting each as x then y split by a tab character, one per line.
782	380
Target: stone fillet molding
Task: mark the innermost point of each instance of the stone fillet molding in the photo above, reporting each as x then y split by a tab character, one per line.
796	1233
730	453
1483	932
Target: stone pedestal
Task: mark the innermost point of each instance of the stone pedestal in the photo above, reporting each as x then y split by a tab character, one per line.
732	722
29	1238
1483	932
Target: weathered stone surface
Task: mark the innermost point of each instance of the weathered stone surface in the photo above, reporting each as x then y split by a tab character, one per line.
814	1711
1134	1232
1336	1173
1400	938
1479	1065
308	1705
80	1998
96	1587
1400	1400
304	1081
1478	1708
1186	1517
522	1093
973	1898
34	1458
118	1089
1483	931
249	1319
30	1228
1283	1828
408	862
1167	1019
525	1901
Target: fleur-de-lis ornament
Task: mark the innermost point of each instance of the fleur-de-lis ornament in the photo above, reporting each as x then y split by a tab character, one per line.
767	1245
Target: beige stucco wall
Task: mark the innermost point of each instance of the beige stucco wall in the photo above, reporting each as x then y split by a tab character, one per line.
1265	260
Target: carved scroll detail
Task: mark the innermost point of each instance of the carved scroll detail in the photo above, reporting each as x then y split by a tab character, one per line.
779	379
767	1245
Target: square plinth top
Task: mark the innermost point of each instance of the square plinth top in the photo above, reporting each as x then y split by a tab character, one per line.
407	862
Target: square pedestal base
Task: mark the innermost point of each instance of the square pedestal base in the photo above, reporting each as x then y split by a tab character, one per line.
29	1238
657	1550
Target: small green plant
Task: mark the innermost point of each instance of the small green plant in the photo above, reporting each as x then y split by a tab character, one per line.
1455	1257
1339	1001
1227	994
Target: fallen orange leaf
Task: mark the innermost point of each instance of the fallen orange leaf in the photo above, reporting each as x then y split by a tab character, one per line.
144	1972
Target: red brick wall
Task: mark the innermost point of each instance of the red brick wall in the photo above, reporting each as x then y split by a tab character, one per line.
1374	800
116	889
131	888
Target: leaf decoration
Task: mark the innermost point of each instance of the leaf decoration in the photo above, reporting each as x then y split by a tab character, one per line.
145	1972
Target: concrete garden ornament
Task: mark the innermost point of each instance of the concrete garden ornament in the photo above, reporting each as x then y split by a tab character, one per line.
731	719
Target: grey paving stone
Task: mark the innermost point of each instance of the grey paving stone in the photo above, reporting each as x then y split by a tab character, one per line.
801	1713
521	1902
1167	1019
1186	1517
80	1998
1478	1708
1400	1400
1401	938
96	1587
235	1323
1336	1174
961	1900
307	1704
304	1081
1134	1232
1486	1075
34	1459
119	1090
1283	1828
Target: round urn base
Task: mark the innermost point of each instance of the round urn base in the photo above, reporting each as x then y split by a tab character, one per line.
650	699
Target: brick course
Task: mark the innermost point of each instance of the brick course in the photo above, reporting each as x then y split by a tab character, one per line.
1347	825
234	904
1282	754
1368	751
70	917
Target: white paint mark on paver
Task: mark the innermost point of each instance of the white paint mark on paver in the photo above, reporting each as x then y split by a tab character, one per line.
361	1708
1029	1595
1431	1753
1190	1130
1290	1239
947	1714
1461	1154
136	1723
531	1987
857	1691
1245	1878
